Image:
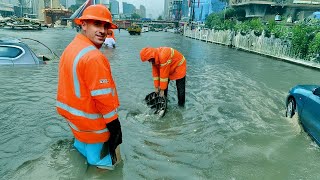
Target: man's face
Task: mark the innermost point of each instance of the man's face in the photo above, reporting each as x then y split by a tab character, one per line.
95	31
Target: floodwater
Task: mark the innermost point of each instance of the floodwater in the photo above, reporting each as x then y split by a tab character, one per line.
232	126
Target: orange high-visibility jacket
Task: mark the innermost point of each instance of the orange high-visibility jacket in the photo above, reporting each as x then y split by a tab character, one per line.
169	64
87	95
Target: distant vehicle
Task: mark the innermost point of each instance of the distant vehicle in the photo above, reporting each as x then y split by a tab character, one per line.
175	30
145	28
134	29
305	101
15	52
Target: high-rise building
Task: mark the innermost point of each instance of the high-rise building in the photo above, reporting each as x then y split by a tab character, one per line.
142	11
173	9
185	8
205	7
166	9
128	9
114	7
176	9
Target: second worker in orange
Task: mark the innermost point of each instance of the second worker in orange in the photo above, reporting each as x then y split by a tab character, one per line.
167	64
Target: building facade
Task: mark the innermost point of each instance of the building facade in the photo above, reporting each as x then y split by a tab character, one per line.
114	7
142	11
289	10
166	9
128	9
6	10
203	8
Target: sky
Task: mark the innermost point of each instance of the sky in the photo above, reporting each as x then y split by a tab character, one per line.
153	7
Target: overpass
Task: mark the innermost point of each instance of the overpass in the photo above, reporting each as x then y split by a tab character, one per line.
162	23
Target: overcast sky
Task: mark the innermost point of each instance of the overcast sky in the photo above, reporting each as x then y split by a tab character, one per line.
153	7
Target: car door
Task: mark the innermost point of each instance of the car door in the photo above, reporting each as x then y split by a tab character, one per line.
311	114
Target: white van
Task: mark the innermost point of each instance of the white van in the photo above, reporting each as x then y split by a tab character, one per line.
145	28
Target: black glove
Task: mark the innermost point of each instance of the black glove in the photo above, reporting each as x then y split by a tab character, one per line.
151	98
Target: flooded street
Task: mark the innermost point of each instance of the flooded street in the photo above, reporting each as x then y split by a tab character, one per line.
232	126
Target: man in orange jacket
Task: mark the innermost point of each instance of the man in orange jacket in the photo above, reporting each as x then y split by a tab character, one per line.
167	64
87	96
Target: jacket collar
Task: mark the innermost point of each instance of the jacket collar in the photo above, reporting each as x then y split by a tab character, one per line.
84	38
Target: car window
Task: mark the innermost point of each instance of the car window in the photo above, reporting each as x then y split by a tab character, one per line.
10	52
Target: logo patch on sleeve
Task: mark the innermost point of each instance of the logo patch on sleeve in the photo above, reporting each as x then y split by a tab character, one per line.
104	81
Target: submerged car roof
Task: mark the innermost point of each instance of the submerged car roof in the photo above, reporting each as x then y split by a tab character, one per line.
11	40
26	56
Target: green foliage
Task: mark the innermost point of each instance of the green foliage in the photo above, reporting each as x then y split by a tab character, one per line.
229	24
160	18
256	25
224	20
214	21
135	16
305	37
301	37
314	47
243	27
282	32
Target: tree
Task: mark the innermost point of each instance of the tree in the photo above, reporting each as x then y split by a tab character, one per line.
135	16
160	18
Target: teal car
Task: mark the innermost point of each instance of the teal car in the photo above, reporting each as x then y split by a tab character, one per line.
304	100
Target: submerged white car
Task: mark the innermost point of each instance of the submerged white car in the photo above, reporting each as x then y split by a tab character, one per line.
15	52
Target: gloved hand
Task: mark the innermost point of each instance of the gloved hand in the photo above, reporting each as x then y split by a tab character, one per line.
161	106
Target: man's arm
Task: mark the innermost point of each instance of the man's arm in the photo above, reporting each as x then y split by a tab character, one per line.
99	81
156	77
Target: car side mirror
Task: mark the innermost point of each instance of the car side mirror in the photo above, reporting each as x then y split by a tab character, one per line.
43	58
316	91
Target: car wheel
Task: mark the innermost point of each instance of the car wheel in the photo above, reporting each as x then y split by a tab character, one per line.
291	108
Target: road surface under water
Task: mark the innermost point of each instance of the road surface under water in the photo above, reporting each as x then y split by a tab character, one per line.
232	126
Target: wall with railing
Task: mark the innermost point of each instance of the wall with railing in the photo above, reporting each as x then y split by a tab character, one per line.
269	46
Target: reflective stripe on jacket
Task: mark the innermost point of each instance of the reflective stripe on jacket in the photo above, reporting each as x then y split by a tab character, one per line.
87	95
169	64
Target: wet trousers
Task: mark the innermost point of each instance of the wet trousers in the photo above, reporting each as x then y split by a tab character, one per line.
181	89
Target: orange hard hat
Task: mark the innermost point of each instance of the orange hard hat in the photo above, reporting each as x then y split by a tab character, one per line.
147	53
96	12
